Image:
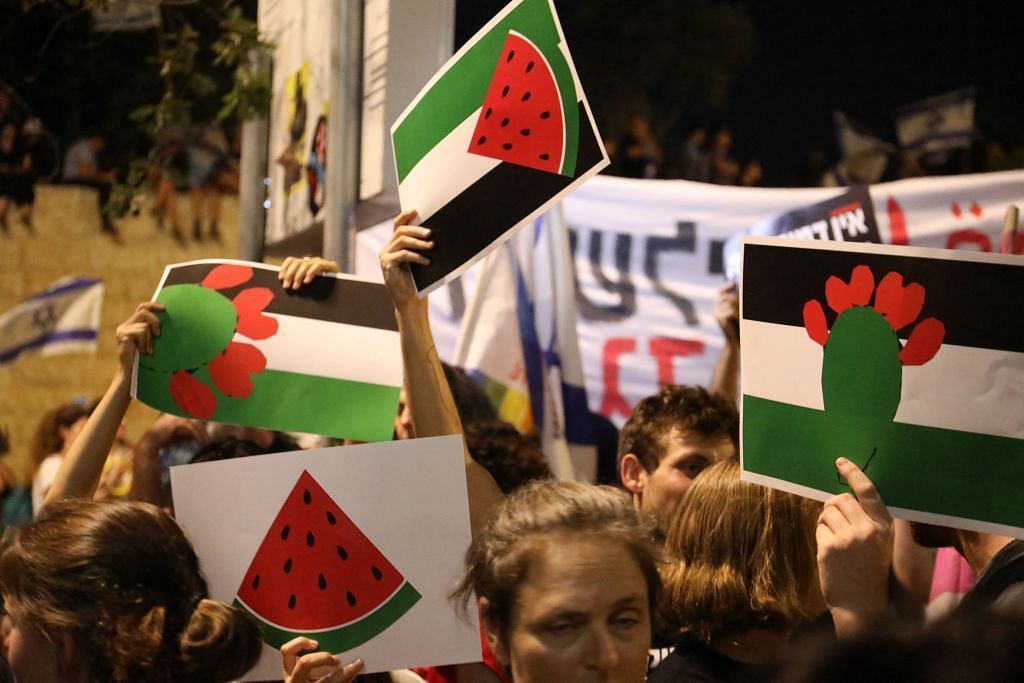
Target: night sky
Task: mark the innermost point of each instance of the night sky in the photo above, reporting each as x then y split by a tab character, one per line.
864	58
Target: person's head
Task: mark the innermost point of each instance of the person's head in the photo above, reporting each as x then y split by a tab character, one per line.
566	582
97	141
697	134
513	459
669	439
32	129
57	430
722	139
739	557
102	591
8	134
640	127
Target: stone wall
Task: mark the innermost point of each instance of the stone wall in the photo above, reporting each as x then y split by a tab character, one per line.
68	241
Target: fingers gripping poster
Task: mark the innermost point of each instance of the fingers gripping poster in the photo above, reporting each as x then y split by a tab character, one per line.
304	544
902	360
236	347
494	139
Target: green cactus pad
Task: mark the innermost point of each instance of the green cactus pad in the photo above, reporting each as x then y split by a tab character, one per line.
197	325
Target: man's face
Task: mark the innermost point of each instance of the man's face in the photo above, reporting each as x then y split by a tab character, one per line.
686	454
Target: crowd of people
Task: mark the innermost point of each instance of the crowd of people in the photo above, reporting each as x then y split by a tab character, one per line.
704	155
682	573
198	159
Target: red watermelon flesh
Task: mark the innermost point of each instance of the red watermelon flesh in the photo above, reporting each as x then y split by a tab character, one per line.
521	121
316	570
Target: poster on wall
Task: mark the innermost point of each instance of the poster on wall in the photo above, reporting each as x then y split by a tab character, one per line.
297	154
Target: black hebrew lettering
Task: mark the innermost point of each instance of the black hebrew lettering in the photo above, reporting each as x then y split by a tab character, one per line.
623	287
716	257
685	241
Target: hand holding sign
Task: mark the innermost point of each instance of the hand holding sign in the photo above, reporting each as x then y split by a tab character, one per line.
855	538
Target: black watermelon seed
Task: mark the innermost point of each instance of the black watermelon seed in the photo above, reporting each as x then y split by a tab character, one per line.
524	131
288	565
507	146
309	539
291	601
350	598
306	498
545	157
529	67
256	582
377	574
504	122
545	114
342	553
330	518
504	91
482	140
322	582
285	531
511	54
526	95
487	114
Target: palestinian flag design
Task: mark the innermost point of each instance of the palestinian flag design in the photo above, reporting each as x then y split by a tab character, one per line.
901	360
494	138
235	347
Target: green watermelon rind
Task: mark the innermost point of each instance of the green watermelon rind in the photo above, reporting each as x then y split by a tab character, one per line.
346	636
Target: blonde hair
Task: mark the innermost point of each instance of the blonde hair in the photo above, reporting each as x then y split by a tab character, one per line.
739	556
124	580
499	557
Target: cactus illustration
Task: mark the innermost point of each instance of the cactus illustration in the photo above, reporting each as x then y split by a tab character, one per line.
863	361
231	363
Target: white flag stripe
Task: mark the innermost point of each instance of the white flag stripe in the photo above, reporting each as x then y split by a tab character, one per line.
788	370
434	180
363	354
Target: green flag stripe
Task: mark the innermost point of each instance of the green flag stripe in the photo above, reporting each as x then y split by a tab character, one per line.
461	90
346	637
941	471
292	402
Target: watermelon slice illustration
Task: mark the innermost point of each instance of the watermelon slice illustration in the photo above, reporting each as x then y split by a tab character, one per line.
521	121
317	575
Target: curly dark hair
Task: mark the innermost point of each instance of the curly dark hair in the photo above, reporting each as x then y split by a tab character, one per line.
513	459
687	408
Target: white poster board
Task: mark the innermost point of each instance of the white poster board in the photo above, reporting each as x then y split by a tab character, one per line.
407	497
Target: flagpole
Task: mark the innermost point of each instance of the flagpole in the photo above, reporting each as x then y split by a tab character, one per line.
1008	243
344	107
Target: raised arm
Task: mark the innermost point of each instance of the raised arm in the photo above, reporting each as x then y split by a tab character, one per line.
430	400
726	377
80	470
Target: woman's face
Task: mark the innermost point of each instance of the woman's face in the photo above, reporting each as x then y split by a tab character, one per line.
581	614
32	656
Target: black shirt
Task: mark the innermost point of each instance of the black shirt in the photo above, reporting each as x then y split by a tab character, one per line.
1001	585
693	661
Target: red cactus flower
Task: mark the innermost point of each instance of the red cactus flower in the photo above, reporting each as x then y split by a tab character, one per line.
899	304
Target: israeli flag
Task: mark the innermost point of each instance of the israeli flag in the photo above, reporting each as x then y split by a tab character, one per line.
63	317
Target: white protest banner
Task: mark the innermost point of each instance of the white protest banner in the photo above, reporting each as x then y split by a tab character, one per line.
649	261
495	138
897	358
355	547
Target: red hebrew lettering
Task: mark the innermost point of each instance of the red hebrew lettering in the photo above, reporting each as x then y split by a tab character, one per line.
897	222
665	350
968	238
613	401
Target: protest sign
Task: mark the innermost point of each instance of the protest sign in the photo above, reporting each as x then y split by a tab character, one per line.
494	139
899	359
236	347
303	543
